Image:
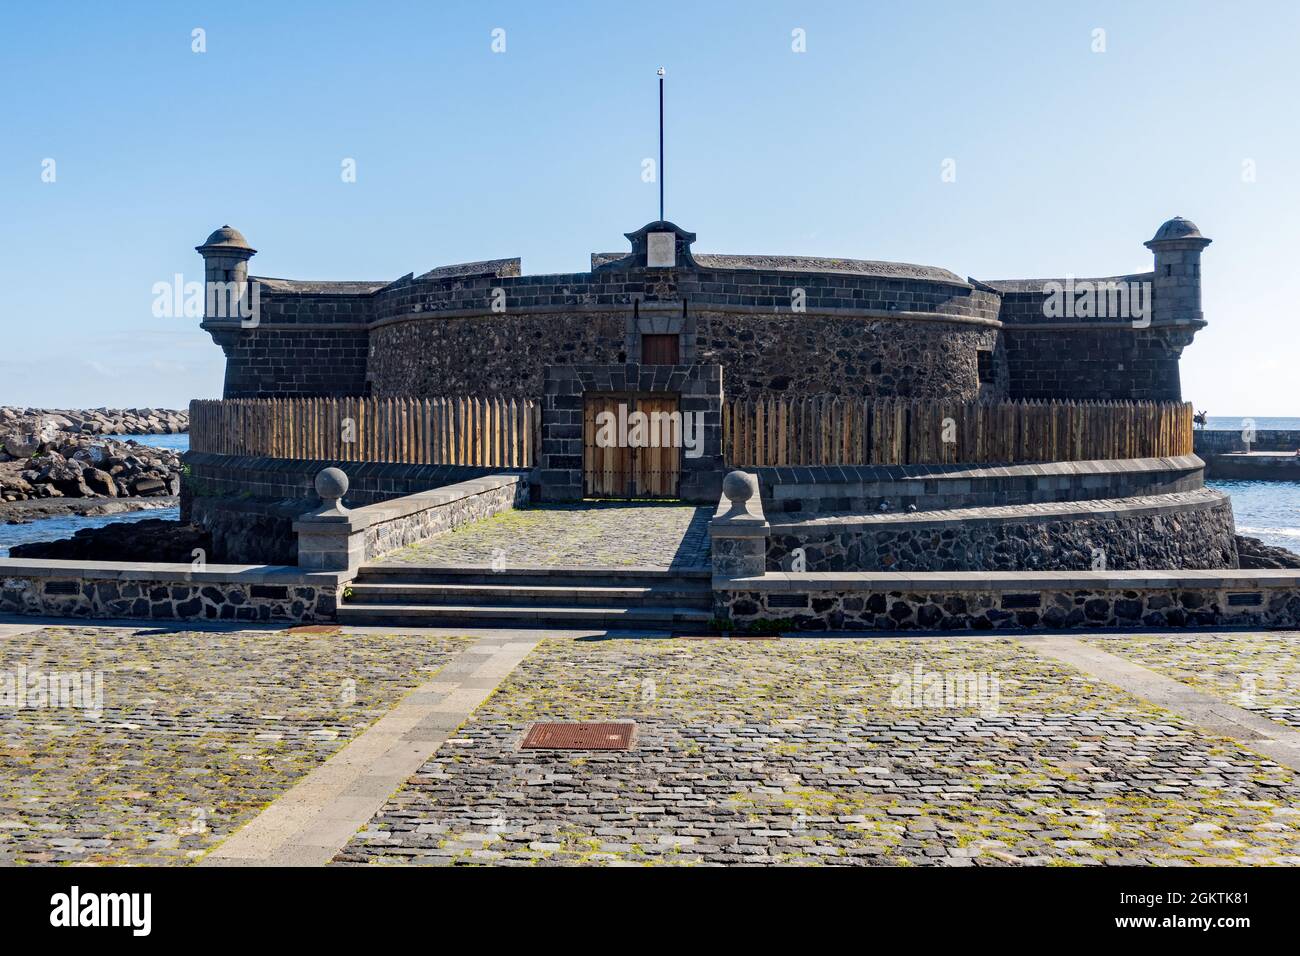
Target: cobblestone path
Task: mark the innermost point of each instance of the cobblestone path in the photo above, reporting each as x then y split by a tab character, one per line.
198	731
802	751
1256	672
586	535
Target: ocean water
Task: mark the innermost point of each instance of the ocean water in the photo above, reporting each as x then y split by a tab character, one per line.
1268	510
175	442
52	529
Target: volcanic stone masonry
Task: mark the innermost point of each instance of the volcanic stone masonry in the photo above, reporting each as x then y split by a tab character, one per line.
774	324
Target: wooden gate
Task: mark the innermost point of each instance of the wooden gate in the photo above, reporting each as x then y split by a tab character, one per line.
642	462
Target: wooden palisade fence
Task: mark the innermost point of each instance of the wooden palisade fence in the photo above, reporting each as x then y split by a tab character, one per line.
824	430
487	432
813	430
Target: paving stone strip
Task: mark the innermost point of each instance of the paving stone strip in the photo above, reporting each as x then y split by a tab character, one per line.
1207	712
310	823
1257	671
13	630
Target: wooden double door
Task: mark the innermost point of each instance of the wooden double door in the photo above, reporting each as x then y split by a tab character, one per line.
627	461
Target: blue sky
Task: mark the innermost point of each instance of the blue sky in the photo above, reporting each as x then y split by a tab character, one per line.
1066	159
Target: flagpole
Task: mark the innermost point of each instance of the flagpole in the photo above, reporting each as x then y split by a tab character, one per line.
661	144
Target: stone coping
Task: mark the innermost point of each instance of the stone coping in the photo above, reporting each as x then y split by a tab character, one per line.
783	475
930	581
135	571
1101	508
1014	286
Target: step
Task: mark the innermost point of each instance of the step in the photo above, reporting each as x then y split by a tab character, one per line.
416	615
696	594
557	576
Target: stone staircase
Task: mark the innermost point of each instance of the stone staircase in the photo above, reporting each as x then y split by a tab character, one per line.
652	598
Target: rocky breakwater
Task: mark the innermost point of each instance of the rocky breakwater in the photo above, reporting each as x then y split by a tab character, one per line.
19	425
51	464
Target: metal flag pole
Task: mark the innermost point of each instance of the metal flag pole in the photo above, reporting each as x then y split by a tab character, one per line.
661	144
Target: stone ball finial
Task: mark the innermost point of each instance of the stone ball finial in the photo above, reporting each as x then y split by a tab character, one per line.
331	484
737	487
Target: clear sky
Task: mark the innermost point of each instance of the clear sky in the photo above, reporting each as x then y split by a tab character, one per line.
1066	159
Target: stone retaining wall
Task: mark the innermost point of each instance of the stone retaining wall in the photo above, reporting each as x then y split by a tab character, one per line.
1191	530
103	589
1019	601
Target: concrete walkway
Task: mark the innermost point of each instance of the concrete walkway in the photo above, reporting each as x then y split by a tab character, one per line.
310	823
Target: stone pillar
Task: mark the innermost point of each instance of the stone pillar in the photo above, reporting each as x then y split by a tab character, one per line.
739	530
1176	289
330	538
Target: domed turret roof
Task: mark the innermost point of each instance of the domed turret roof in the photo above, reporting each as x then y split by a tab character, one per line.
1177	228
227	237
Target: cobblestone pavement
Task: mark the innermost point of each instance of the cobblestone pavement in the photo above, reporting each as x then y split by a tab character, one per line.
802	751
1256	672
198	731
589	535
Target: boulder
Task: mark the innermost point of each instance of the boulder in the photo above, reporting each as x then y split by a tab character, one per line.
147	487
100	482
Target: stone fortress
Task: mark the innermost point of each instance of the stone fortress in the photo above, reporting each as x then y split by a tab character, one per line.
663	322
878	446
772	324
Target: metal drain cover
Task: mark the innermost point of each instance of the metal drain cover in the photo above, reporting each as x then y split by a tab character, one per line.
579	736
316	629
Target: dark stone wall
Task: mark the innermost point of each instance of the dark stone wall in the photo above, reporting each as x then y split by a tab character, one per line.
760	354
289	363
1112	361
503	354
852	357
488	330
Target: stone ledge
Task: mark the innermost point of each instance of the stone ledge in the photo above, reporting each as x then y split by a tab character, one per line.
135	572
931	581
